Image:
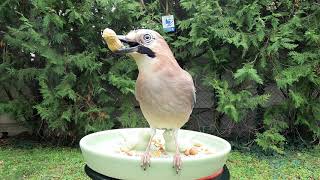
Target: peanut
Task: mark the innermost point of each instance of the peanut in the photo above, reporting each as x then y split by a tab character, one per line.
112	40
187	152
193	151
197	144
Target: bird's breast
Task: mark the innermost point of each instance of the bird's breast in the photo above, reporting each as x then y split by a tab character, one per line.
164	100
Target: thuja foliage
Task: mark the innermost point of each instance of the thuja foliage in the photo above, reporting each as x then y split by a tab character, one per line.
260	43
59	77
57	74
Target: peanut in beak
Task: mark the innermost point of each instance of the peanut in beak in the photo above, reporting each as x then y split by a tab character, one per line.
112	40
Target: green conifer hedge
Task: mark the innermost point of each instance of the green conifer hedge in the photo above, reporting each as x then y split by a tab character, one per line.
58	77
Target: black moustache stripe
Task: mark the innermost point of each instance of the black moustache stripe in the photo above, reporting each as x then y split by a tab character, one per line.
145	50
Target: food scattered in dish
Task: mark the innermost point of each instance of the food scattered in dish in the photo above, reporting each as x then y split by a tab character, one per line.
158	150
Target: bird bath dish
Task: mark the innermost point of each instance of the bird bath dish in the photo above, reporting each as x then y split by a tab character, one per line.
116	153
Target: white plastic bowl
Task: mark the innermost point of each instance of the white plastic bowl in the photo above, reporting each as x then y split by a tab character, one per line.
99	154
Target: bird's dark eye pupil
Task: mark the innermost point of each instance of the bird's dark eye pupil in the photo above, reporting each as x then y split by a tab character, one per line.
147	38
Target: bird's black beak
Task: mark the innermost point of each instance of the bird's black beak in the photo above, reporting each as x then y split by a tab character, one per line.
132	46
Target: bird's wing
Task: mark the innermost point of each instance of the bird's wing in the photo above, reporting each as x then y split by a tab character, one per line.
194	97
193	89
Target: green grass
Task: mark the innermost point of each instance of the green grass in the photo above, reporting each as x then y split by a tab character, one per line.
303	164
38	162
41	163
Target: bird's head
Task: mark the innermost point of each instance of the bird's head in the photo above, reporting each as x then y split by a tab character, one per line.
145	45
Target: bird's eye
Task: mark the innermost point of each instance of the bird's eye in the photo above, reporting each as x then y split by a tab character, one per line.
147	38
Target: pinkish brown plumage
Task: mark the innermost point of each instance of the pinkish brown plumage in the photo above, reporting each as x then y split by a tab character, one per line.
164	90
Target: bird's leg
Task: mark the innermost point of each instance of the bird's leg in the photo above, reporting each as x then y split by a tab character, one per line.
176	158
145	158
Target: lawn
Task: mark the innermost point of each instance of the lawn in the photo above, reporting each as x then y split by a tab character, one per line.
39	162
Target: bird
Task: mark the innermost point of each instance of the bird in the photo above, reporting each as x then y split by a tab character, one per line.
165	92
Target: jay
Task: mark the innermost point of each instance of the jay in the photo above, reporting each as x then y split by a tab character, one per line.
165	91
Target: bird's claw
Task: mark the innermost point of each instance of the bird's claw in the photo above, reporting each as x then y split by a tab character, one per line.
177	162
145	160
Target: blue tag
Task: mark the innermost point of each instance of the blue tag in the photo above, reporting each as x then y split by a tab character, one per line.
168	23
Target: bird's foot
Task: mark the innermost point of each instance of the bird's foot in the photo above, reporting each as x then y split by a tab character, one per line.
177	162
145	160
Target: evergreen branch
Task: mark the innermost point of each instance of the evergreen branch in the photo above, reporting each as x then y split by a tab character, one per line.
8	93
